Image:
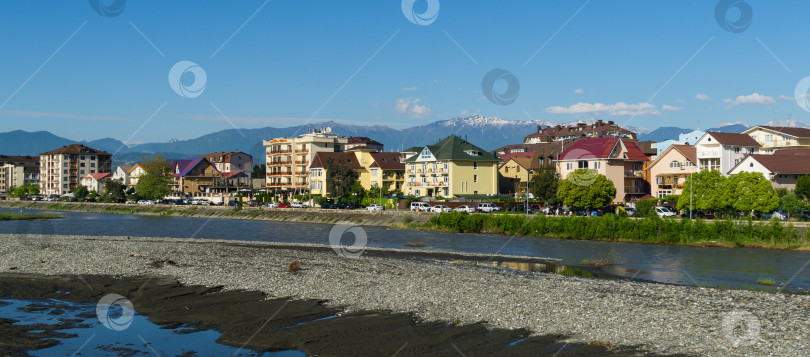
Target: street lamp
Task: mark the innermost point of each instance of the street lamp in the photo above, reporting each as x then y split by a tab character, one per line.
528	172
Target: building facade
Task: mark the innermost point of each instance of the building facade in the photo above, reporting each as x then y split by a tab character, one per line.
95	182
772	138
782	168
233	161
671	169
621	161
62	169
374	169
288	159
194	178
514	175
722	151
452	167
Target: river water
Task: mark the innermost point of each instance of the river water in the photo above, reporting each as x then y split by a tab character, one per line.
728	268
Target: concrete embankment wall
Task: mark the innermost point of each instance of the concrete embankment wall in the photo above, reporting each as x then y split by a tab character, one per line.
310	215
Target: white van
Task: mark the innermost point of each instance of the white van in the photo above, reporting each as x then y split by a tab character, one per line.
420	206
488	207
662	212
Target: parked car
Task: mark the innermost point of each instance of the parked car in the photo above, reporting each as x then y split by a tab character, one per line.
441	208
271	204
345	205
298	204
780	215
420	206
283	205
234	203
465	208
488	207
146	202
328	205
630	211
375	207
662	212
253	203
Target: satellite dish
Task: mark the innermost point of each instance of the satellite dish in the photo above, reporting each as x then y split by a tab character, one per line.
327	129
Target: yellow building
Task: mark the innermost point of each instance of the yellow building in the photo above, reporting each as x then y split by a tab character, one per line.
671	169
514	174
373	169
451	167
777	137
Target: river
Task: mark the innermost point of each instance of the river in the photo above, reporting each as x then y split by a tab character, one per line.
727	268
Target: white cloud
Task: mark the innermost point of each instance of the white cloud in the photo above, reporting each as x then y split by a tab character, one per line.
618	109
701	96
579	91
680	100
670	108
751	99
412	108
409	89
784	97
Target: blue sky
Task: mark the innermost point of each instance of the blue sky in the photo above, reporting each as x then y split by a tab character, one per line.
69	70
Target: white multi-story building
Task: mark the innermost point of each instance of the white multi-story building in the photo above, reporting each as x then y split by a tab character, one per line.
722	151
62	169
288	159
16	171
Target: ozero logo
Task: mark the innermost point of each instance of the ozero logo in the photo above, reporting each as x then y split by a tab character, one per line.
108	315
425	18
726	11
108	8
800	94
348	251
508	95
190	90
741	328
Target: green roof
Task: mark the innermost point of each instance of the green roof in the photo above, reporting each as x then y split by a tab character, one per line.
454	148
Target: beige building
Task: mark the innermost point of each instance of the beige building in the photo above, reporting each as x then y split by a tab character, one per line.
671	169
514	174
621	161
195	178
374	169
452	167
289	158
16	171
783	168
772	138
61	169
234	161
128	175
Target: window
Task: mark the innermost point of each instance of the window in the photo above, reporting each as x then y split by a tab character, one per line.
517	169
674	164
597	165
92	164
424	179
583	164
446	166
737	149
416	192
751	165
475	165
569	166
425	154
736	161
475	178
64	172
66	164
373	172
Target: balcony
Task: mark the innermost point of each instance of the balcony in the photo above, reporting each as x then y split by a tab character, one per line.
709	154
633	190
634	173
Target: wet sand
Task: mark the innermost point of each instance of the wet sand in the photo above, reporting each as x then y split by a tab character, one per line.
261	323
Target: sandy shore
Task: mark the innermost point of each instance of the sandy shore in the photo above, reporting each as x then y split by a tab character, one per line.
656	317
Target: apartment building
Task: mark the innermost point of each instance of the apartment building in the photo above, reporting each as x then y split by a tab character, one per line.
288	159
722	151
374	169
514	175
671	168
232	161
598	129
16	171
453	167
194	177
772	138
620	160
62	169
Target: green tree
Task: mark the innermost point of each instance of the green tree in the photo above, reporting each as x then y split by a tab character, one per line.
26	190
258	172
81	192
33	190
802	190
791	204
339	178
113	190
748	191
544	184
156	182
645	208
586	188
705	189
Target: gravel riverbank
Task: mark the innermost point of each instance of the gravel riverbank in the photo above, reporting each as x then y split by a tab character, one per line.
656	317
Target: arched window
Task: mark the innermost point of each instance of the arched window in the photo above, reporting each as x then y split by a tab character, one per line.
674	164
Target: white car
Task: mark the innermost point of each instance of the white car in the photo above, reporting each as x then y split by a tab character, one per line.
441	208
488	207
146	202
468	209
662	212
375	207
297	204
271	205
420	206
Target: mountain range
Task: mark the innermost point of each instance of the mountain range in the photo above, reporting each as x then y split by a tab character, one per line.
487	132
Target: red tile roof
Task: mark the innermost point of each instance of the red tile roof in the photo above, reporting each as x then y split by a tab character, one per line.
797	132
98	176
782	164
590	149
734	139
320	159
792	152
688	151
388	160
633	152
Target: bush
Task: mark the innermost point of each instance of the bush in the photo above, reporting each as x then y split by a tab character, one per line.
645	208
